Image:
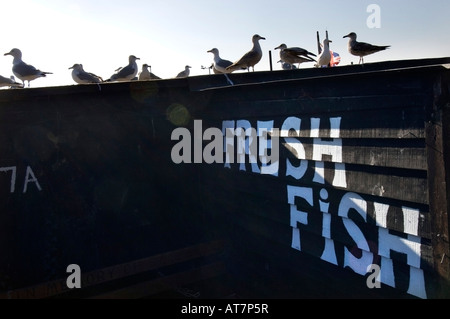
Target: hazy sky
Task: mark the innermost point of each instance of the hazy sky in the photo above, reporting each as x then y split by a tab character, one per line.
169	34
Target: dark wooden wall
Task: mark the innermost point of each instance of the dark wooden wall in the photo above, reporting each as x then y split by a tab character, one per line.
391	130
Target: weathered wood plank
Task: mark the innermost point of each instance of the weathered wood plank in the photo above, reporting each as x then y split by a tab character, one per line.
165	283
380	212
116	272
394	123
256	231
319	106
406	185
400	153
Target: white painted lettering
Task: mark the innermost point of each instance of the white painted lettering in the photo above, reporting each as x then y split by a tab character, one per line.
13	170
30	178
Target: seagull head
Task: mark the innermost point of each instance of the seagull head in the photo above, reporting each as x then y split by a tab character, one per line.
132	58
257	37
351	35
15	53
76	66
281	47
213	51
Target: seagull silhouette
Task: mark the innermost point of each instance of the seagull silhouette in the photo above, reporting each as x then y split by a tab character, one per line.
24	71
294	55
249	59
219	64
361	49
185	73
9	82
146	73
324	57
80	76
126	73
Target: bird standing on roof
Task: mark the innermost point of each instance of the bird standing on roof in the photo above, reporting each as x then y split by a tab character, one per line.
324	58
126	73
80	76
249	59
362	49
9	82
25	72
185	73
219	64
294	55
146	73
287	66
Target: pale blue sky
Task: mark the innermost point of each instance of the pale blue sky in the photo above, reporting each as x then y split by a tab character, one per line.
168	34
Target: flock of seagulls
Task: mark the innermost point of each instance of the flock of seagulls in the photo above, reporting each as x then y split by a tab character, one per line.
290	58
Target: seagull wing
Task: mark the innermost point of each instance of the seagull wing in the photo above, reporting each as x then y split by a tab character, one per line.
125	72
8	82
223	63
22	69
96	76
88	77
248	59
363	47
299	51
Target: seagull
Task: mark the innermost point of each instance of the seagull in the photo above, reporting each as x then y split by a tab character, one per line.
9	82
80	76
185	73
219	64
146	74
362	49
249	59
287	66
294	55
324	57
25	72
127	73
